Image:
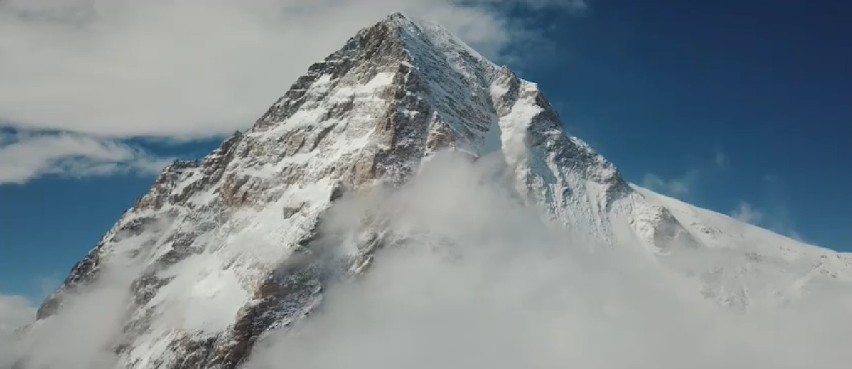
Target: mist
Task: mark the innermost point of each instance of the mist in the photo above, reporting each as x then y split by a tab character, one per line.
476	278
471	275
84	332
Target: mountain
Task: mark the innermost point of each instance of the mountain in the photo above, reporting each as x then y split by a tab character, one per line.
224	250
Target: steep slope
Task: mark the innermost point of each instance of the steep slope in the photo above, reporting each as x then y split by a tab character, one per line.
743	266
224	249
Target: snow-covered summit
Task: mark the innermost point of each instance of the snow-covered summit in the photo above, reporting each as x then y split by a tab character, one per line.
222	250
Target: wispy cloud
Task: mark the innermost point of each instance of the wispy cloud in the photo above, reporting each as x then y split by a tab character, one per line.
773	212
25	156
745	212
675	186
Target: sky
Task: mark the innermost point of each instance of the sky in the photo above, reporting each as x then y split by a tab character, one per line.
741	107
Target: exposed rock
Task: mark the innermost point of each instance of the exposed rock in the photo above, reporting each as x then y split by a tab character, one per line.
237	230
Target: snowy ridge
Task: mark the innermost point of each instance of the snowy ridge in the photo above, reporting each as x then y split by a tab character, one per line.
741	265
223	249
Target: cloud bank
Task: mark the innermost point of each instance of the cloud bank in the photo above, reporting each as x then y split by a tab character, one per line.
471	277
122	68
115	69
476	279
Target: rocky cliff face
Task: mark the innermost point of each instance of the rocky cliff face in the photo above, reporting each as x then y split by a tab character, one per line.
225	249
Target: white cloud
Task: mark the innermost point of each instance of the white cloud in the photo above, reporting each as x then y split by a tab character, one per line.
188	69
677	186
25	156
105	70
776	218
489	285
15	312
83	334
745	212
792	233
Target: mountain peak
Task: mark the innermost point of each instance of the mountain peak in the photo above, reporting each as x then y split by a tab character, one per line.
396	17
370	113
419	33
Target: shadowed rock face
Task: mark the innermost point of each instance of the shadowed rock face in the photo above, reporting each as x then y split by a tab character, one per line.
246	216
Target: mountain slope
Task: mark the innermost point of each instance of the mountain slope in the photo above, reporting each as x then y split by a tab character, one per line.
740	265
225	249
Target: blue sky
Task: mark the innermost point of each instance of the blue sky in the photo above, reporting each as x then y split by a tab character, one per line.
745	101
742	107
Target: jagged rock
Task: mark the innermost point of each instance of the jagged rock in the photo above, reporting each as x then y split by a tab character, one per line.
231	240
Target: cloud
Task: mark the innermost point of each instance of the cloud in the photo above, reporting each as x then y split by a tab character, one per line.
775	217
15	312
25	156
190	69
88	327
677	186
490	285
101	71
745	212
